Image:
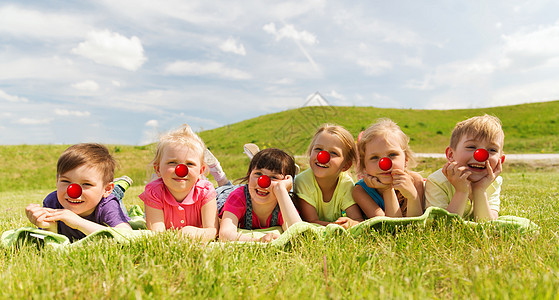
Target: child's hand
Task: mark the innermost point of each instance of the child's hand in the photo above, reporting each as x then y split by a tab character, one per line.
278	185
269	237
485	181
65	215
457	176
37	214
374	183
403	182
346	222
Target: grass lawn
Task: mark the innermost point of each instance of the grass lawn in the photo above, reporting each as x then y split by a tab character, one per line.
435	262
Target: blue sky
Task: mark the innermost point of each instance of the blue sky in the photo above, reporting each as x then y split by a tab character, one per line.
122	71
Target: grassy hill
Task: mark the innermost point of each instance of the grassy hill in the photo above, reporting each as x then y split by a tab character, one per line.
529	128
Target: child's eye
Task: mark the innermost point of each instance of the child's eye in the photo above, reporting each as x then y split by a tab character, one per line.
393	155
471	147
374	157
64	181
87	184
258	173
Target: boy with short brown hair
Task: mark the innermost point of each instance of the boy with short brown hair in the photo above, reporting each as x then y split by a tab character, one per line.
82	202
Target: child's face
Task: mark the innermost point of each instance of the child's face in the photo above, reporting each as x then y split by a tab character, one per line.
173	155
258	194
463	155
330	143
384	146
93	189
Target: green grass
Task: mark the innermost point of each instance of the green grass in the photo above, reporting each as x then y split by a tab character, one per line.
434	262
529	128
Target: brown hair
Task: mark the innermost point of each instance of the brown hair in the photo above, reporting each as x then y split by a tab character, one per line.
273	159
91	154
484	127
349	149
384	127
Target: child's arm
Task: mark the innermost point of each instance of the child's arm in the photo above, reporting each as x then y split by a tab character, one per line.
309	213
482	211
228	230
410	185
74	221
458	177
155	220
210	224
281	190
366	203
353	218
37	214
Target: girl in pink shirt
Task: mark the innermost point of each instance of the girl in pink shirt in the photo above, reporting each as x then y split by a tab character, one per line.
181	198
264	201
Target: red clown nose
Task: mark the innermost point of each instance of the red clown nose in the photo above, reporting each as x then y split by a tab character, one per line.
181	170
74	190
264	181
385	163
481	155
323	157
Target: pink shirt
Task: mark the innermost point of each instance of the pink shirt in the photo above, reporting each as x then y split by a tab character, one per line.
179	214
236	203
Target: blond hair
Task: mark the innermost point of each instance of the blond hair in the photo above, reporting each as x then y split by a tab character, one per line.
349	149
181	136
383	128
484	127
91	154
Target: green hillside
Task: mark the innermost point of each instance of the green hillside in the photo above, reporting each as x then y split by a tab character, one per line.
529	128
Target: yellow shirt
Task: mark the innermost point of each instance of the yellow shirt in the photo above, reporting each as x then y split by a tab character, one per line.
439	192
307	189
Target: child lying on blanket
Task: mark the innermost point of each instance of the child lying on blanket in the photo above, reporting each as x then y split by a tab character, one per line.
181	198
83	202
469	183
324	189
388	188
261	204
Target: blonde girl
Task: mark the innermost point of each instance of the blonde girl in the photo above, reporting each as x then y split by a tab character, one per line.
181	198
324	189
388	187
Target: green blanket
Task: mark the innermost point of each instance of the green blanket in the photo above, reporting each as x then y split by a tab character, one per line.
432	216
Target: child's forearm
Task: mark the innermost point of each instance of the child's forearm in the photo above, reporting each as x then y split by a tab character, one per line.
202	234
287	208
415	208
88	227
391	205
482	211
458	203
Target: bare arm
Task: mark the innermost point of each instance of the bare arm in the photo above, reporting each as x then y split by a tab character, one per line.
155	220
37	214
228	229
482	211
458	177
210	224
309	214
288	211
74	221
366	203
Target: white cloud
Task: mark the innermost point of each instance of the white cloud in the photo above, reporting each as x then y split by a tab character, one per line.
22	23
116	83
232	46
112	49
191	68
289	31
455	74
29	121
152	123
11	98
532	48
87	85
374	67
74	113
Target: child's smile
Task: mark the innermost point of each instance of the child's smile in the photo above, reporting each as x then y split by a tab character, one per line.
93	189
330	143
463	155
